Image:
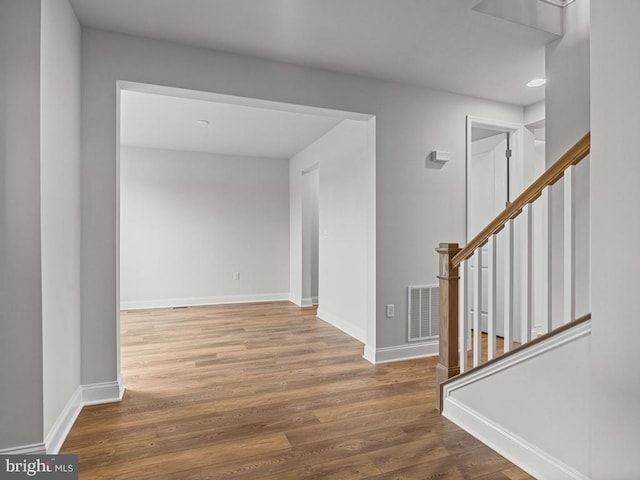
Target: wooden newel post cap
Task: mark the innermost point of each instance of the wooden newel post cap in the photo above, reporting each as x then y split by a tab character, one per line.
447	251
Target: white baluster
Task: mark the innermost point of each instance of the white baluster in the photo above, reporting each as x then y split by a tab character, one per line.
545	265
508	285
491	296
527	254
463	316
477	309
569	304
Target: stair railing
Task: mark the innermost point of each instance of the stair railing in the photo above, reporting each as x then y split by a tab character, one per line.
455	331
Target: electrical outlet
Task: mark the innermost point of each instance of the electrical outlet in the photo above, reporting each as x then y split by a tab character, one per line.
391	310
236	275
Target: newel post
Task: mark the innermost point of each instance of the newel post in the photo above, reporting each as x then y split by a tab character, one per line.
448	363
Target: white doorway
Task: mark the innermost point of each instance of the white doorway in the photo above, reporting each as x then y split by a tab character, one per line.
310	197
343	255
494	173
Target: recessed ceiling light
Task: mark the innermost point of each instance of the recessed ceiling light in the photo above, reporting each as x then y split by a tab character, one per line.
537	82
202	122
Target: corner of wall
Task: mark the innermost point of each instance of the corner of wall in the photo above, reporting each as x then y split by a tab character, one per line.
400	353
104	392
62	426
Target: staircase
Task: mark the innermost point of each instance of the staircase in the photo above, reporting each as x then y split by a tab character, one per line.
519	396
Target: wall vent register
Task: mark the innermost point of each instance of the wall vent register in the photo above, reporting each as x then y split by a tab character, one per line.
423	312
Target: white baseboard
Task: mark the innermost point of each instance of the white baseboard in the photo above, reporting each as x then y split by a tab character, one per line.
303	302
401	352
89	394
34	449
534	461
308	302
348	328
63	423
194	301
107	392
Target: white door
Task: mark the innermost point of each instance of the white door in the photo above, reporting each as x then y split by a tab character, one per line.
487	196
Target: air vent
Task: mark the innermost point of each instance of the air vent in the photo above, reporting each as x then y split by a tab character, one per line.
424	312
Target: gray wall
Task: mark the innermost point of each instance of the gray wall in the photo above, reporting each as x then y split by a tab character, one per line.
60	206
20	281
615	380
410	123
190	220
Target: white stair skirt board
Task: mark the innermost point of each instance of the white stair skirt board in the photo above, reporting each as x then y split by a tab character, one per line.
514	448
401	352
534	461
63	423
107	392
348	328
194	301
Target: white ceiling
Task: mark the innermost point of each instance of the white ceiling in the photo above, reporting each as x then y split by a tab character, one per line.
171	122
443	44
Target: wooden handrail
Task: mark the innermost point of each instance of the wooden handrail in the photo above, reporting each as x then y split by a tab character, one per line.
549	177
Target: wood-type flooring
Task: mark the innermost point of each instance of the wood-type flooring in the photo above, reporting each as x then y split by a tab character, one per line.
268	391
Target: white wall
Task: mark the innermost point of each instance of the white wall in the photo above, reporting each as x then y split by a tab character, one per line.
60	206
345	181
615	380
21	407
310	226
190	220
567	120
534	113
410	122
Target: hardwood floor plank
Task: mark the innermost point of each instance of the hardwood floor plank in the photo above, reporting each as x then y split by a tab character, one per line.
268	391
375	405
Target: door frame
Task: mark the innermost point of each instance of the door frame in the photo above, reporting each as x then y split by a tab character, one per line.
517	147
516	183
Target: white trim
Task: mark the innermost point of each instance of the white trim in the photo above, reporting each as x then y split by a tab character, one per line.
295	299
33	449
399	353
194	301
90	394
308	302
559	3
530	458
106	392
356	332
369	354
552	343
516	129
63	423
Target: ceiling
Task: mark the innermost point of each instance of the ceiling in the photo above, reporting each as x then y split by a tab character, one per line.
442	44
172	123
